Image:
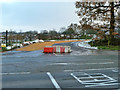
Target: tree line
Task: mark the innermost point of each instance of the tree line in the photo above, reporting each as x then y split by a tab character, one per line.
73	31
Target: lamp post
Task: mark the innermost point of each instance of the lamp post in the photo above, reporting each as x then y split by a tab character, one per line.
6	37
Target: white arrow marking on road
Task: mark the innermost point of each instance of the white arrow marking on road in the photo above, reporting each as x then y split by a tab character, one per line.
53	81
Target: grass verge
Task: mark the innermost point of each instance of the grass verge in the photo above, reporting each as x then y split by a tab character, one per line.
109	48
104	44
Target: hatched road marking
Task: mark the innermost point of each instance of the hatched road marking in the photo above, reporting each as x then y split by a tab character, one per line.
94	79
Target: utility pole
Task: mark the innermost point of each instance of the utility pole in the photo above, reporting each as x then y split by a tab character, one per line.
6	37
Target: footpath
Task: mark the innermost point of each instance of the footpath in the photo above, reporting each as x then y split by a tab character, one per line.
85	44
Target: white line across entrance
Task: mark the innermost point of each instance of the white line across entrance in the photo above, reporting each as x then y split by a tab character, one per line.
53	81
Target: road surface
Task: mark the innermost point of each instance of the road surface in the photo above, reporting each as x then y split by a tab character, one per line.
83	68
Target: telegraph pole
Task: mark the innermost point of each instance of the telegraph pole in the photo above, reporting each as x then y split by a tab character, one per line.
6	37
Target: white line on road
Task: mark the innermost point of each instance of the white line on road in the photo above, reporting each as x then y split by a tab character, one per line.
89	69
14	73
108	77
53	81
57	54
76	78
80	63
11	63
59	64
115	71
102	63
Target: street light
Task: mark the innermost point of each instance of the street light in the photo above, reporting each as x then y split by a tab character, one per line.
6	37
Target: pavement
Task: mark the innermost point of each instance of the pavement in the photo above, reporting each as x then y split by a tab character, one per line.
82	68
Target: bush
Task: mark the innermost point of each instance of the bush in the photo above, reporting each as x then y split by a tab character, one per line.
84	37
103	44
116	42
4	49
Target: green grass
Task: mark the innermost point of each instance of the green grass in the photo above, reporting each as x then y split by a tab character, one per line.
109	48
103	44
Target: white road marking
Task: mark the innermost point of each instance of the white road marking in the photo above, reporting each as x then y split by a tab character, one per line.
101	85
11	63
93	82
14	73
59	64
106	82
115	71
76	78
108	77
53	81
89	69
79	63
57	54
92	77
102	63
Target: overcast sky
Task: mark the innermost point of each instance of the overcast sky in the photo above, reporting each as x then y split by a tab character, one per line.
38	15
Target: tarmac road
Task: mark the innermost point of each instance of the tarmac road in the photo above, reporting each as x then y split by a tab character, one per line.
83	68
